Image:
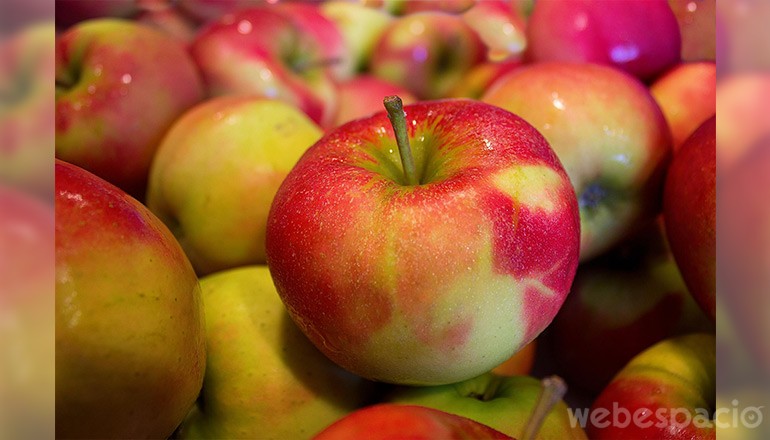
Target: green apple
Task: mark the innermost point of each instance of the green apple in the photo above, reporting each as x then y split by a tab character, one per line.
503	403
130	345
264	379
200	191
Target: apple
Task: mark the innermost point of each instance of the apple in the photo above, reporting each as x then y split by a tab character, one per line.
119	86
168	19
362	96
641	37
687	96
476	81
696	20
200	192
360	26
689	210
743	105
387	421
743	249
430	263
621	303
130	344
264	379
407	7
609	134
427	53
501	27
658	391
263	51
72	12
27	117
27	374
503	403
747	45
204	11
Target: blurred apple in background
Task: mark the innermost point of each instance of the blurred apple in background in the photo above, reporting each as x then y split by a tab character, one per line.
501	28
71	12
678	374
503	403
687	96
130	347
361	27
477	80
167	18
427	53
264	379
362	96
27	113
27	374
216	171
204	11
119	86
266	51
621	303
406	7
689	210
743	106
609	134
428	263
389	422
641	37
696	25
746	35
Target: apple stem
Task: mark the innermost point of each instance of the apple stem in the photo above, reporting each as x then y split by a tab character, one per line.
553	389
395	108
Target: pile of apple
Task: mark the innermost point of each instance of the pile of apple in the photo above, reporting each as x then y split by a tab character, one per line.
346	219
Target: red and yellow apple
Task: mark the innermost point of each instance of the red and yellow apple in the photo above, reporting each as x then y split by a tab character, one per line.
362	96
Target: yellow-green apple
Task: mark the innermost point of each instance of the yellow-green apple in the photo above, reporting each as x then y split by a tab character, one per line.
265	51
119	86
640	37
389	422
687	96
264	379
427	53
27	375
696	20
621	303
743	231
689	211
360	26
71	12
503	403
609	134
130	344
743	106
199	191
27	113
475	82
430	263
362	96
501	27
666	392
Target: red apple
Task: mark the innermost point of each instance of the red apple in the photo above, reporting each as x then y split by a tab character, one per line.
696	24
609	134
434	271
208	10
266	51
501	27
427	53
119	86
687	96
362	96
477	80
391	422
168	19
689	209
743	106
640	37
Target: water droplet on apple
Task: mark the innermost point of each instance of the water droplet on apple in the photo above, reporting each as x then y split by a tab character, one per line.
98	70
126	78
91	89
244	27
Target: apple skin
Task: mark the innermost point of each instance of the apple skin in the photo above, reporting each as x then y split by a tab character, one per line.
641	37
501	27
362	96
266	52
120	85
609	134
199	192
168	19
27	278
503	403
689	210
743	106
264	379
455	274
130	343
620	304
687	96
697	26
676	373
427	53
26	124
387	422
476	81
743	250
360	26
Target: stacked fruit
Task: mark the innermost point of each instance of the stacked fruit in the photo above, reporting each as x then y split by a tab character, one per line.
248	245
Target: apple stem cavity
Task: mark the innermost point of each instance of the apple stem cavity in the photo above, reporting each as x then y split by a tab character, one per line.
553	390
395	108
